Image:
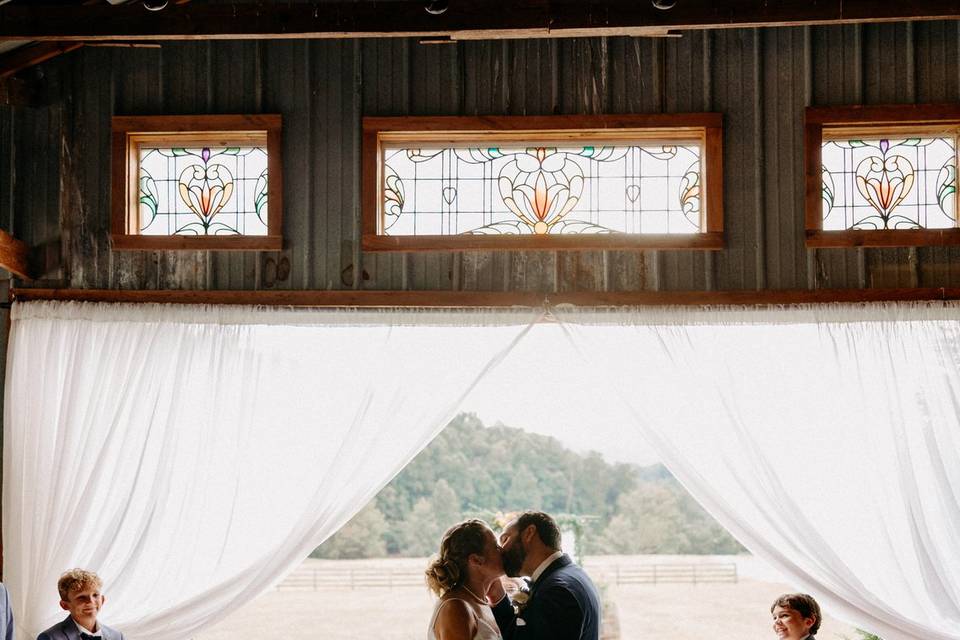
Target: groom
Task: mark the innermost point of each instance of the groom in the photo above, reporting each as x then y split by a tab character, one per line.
563	603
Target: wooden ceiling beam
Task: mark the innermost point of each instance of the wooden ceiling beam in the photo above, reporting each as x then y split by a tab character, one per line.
465	19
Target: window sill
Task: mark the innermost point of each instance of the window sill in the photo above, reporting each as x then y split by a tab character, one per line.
696	241
883	238
196	243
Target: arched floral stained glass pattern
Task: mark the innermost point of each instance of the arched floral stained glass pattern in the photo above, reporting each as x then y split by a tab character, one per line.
889	183
542	190
204	191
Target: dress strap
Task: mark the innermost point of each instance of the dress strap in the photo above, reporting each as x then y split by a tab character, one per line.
436	613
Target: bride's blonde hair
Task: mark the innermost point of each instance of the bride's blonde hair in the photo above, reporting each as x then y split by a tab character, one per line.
449	568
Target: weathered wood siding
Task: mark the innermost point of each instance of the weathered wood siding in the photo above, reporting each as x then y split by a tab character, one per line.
54	160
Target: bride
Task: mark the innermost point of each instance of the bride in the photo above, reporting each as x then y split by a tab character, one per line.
468	563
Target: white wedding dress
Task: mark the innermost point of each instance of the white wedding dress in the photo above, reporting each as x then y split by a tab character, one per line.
485	630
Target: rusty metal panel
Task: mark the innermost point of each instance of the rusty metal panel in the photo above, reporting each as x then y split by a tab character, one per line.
889	77
759	78
684	65
635	86
584	87
185	87
836	79
736	93
386	92
288	89
514	77
236	86
785	68
137	90
84	162
333	157
436	88
34	181
937	70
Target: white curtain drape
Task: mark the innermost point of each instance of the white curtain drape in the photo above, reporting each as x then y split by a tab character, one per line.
826	439
193	455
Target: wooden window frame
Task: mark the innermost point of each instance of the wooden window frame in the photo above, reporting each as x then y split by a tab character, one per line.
859	120
460	128
127	131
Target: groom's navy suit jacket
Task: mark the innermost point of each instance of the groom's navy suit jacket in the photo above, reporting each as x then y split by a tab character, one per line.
563	605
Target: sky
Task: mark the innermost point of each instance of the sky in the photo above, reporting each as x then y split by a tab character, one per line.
532	390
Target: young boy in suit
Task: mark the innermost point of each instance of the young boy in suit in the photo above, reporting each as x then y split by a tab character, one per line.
80	594
6	615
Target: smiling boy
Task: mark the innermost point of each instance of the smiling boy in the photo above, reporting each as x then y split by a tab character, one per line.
796	616
80	595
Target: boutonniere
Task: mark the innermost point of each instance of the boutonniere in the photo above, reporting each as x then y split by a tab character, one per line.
521	597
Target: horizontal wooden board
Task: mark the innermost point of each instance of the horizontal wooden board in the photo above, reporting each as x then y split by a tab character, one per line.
883	238
123	242
303	298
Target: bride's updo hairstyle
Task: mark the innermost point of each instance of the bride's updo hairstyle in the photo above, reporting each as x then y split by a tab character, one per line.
449	568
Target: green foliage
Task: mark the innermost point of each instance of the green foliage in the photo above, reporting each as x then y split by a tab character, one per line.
362	537
660	517
524	492
474	471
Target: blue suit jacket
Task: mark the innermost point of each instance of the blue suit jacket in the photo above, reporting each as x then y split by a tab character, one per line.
67	630
563	605
6	615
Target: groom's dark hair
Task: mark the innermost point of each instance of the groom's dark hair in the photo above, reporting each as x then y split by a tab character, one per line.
547	528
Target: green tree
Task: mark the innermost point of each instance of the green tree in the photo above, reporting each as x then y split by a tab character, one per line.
524	492
470	469
420	532
445	504
362	537
660	517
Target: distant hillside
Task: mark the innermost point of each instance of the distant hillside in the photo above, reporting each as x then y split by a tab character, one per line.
471	470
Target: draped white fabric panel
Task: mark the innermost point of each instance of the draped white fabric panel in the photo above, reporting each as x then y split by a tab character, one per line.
194	455
826	439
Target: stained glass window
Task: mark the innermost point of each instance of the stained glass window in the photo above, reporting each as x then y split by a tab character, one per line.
203	191
200	182
905	182
543	182
524	189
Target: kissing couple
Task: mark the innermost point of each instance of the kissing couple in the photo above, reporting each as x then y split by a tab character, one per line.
562	603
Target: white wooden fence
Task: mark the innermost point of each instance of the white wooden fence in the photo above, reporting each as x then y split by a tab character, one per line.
666	574
307	578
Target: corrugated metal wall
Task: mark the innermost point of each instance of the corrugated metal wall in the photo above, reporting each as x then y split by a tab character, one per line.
54	169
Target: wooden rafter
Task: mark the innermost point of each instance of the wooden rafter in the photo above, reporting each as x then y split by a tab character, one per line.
439	299
15	256
27	56
465	19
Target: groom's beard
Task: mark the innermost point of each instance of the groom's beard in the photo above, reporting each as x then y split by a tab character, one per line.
513	559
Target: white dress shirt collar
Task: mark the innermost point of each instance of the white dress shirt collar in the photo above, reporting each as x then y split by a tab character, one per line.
546	563
83	629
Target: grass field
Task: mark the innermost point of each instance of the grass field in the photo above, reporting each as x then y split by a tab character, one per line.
731	611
